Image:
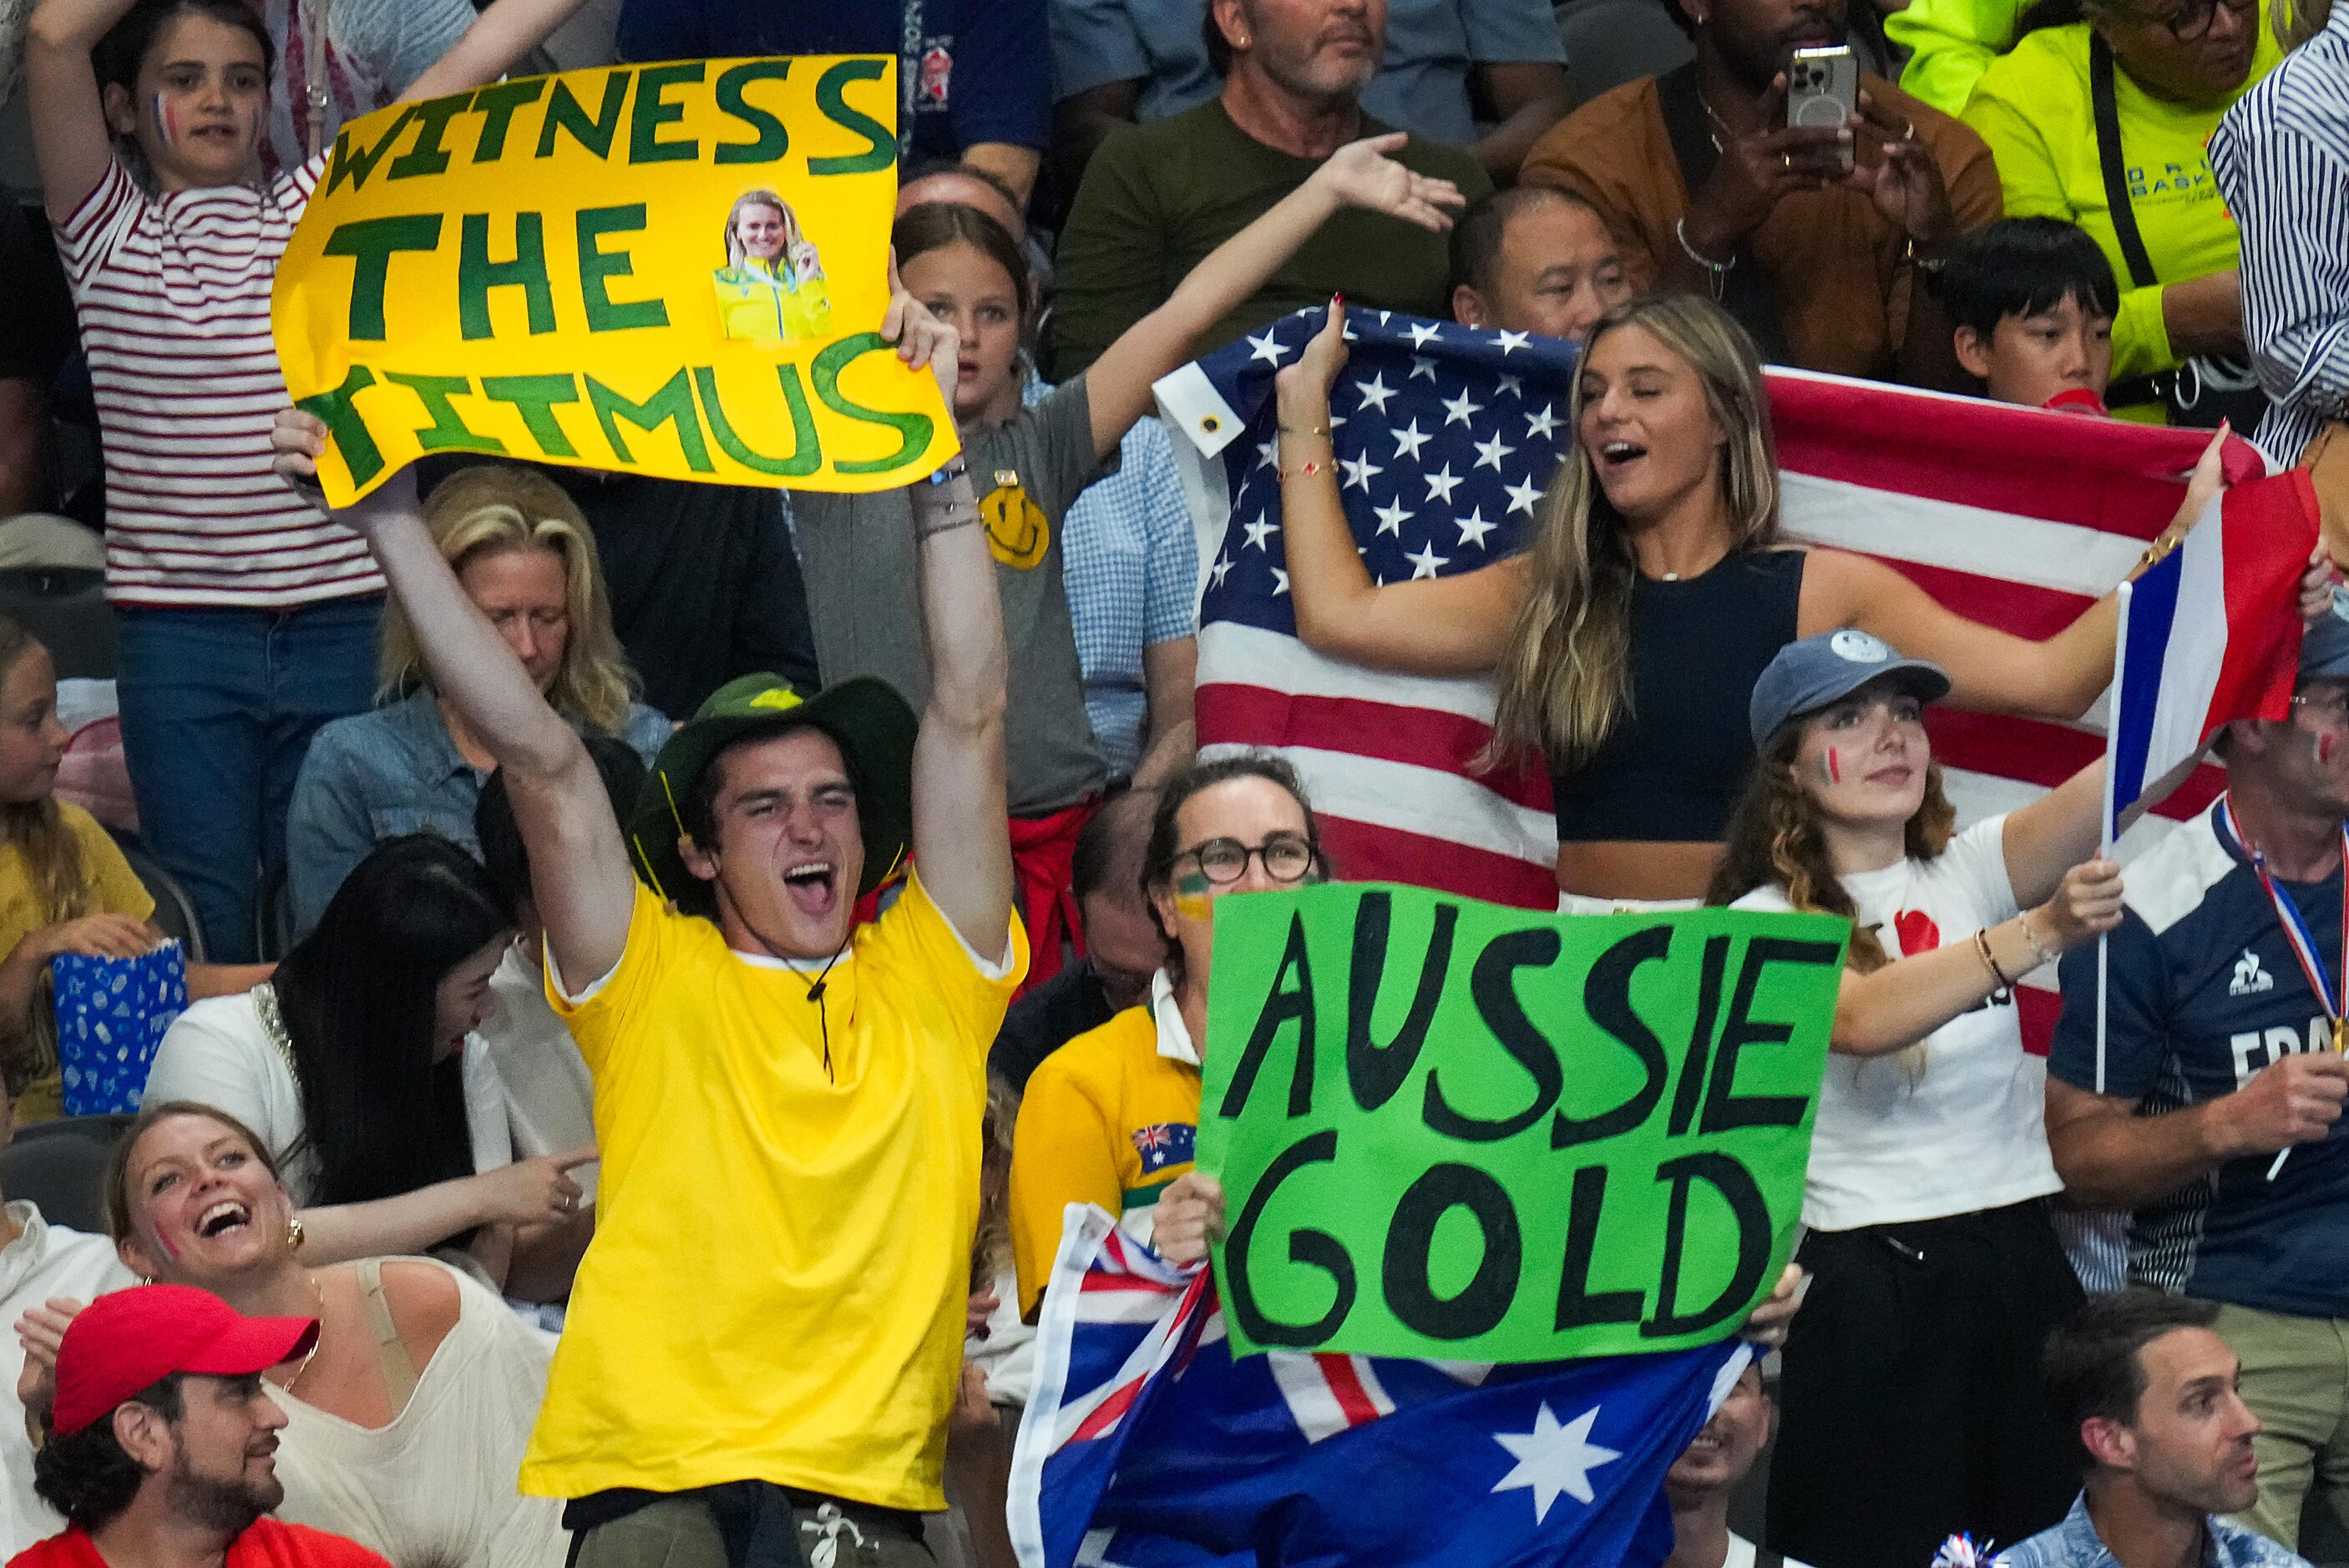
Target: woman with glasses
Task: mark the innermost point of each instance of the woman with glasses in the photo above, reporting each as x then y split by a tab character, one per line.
1110	1118
2102	121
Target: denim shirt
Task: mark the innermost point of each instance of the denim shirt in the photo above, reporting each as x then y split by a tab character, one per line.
376	776
2074	1544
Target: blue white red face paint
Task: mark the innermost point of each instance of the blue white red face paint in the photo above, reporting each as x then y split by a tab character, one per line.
1830	766
166	126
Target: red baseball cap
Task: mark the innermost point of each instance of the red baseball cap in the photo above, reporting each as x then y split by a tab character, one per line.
128	1342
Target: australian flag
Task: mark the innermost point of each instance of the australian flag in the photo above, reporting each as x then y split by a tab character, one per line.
1147	1445
1446	437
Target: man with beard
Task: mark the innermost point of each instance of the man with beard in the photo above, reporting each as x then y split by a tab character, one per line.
162	1441
1157	198
1817	237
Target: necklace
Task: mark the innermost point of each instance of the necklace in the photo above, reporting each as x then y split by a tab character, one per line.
1720	128
311	1355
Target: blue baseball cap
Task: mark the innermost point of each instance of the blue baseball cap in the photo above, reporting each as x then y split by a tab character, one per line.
2324	647
1807	675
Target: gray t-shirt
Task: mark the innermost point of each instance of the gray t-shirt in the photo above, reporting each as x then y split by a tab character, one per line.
864	583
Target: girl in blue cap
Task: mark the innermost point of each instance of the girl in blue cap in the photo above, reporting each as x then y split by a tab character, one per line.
1911	1400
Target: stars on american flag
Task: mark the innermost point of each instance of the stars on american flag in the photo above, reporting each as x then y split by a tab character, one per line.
1441	472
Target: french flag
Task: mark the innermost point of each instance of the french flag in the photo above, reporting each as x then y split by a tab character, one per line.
2209	634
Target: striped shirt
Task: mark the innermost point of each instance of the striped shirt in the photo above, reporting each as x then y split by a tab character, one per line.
173	296
2281	160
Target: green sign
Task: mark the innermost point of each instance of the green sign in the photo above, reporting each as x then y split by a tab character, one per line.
1451	1130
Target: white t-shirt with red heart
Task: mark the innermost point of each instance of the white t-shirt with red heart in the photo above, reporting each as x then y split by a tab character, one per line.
1957	1123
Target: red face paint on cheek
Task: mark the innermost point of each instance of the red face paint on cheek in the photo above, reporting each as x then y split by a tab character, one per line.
2324	748
1829	767
163	1243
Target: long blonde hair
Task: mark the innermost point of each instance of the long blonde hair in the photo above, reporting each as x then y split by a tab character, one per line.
59	878
773	203
497	507
1565	680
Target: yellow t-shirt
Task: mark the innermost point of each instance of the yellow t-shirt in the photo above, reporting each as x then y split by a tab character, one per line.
1106	1120
115	889
782	1256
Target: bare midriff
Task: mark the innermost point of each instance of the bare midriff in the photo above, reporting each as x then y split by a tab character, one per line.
1633	869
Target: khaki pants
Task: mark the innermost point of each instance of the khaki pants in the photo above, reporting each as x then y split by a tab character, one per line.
681	1532
2296	1380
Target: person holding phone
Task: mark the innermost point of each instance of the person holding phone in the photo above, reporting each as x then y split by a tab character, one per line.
1813	235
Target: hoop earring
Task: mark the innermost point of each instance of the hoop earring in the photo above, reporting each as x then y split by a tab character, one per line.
293	1234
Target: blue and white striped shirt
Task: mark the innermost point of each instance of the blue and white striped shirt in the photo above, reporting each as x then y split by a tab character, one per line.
2281	160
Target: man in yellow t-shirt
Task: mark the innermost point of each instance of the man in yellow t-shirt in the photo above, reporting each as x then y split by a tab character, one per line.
766	1335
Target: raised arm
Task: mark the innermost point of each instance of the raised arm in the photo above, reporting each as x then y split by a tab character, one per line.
580	876
1457	626
491	46
1359	174
70	140
962	841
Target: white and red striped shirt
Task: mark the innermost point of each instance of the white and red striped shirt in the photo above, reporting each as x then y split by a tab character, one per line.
173	295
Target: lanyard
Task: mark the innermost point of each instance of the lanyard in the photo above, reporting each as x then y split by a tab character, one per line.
2296	932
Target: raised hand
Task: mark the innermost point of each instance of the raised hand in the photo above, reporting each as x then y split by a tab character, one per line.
1190	1215
1316	370
297	440
1759	169
1360	174
2088	902
924	341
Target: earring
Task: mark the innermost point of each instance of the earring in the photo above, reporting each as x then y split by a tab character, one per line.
1241	42
293	1236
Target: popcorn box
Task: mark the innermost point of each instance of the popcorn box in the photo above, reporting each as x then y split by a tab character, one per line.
111	1015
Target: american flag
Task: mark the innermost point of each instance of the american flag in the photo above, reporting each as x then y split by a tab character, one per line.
2014	517
1147	1446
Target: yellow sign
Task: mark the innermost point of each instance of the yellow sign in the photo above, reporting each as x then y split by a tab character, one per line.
678	270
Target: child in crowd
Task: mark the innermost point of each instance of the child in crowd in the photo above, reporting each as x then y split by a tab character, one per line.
2033	301
244	616
64	885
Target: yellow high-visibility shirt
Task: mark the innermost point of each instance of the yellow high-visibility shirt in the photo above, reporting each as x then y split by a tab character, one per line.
781	1260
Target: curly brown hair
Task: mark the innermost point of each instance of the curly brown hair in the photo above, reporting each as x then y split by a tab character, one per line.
1775	841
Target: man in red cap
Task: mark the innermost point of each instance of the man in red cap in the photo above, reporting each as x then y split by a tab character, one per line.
162	1443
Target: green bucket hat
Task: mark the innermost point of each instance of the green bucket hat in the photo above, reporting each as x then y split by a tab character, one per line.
864	717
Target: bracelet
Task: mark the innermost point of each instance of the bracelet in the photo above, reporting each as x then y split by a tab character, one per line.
952	523
1719	270
1320	430
2163	543
2039	950
1302	470
953	468
2000	982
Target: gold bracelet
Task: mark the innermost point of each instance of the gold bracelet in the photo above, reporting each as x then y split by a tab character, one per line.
2163	543
1320	430
1304	471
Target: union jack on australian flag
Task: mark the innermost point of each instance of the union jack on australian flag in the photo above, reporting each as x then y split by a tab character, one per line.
1147	1446
1446	436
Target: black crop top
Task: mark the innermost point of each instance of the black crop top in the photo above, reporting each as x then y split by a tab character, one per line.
1673	766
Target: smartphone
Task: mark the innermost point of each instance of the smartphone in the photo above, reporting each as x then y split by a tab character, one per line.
1822	90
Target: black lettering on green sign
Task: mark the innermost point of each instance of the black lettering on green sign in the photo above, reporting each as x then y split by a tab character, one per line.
427	156
1478	1306
1607	997
1725	1109
773	138
371	244
496	104
596	264
1576	1307
807	452
1686	1096
652	112
1314	1249
448	431
1374	1071
913	429
344	426
565	113
1493	986
477	274
1731	1180
534	398
881	149
1288	1004
354	163
672	404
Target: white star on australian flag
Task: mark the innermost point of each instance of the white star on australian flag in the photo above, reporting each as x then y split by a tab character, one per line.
1553	1459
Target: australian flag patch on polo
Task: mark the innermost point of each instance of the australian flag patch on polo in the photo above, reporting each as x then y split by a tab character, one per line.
1165	1143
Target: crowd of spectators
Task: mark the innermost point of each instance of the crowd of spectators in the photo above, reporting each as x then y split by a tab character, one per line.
662	957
